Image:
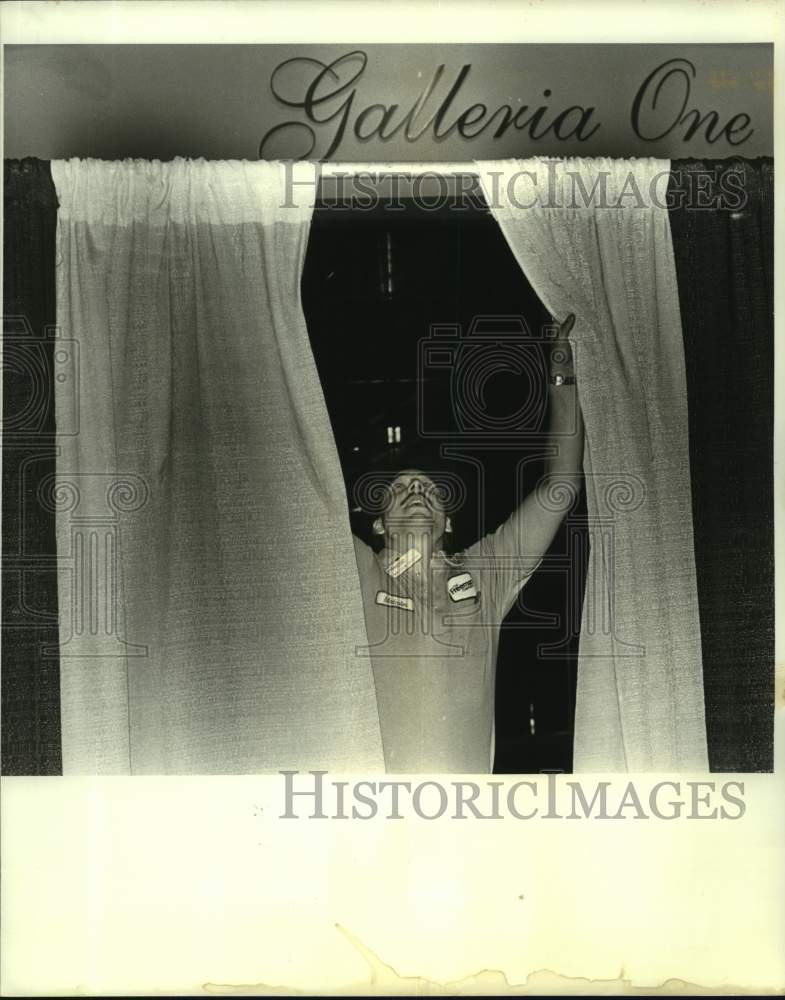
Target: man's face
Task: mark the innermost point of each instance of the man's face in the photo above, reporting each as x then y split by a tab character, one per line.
415	505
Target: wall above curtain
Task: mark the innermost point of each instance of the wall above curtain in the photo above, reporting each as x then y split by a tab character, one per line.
388	102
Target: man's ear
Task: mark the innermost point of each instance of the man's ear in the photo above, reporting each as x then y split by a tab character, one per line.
448	525
378	526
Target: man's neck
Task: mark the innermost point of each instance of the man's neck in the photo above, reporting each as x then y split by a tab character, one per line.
398	543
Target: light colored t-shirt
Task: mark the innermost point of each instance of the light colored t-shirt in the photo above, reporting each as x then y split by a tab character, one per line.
433	635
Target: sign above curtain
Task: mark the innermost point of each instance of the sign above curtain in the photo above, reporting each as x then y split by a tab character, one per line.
388	102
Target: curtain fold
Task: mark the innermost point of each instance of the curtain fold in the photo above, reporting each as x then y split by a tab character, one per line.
209	573
593	238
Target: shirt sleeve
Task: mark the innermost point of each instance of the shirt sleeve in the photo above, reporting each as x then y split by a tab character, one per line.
363	554
501	562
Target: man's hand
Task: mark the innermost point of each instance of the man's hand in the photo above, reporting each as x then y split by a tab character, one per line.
561	362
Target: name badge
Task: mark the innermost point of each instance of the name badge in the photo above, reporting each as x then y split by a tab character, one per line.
393	601
404	562
461	587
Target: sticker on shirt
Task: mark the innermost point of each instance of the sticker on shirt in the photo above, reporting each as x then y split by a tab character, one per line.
404	562
461	587
393	601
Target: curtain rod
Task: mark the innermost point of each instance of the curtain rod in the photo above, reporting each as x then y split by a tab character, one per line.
334	168
337	169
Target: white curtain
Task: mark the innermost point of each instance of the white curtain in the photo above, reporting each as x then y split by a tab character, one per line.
210	606
593	238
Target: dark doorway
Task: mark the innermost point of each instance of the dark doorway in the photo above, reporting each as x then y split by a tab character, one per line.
376	283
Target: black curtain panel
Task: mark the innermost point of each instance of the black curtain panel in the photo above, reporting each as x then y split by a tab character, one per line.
724	262
30	677
725	266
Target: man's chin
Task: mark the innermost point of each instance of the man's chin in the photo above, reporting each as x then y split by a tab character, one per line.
415	521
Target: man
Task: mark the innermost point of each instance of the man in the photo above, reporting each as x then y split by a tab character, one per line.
433	620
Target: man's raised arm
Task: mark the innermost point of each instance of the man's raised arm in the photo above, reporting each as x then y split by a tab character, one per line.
540	514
